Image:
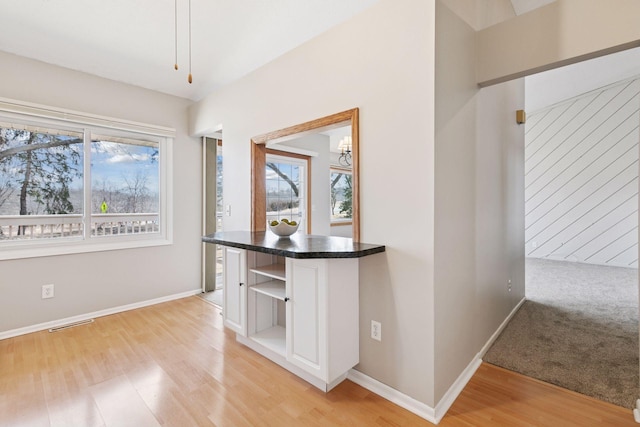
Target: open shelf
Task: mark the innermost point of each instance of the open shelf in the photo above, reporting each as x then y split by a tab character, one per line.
272	288
273	338
275	271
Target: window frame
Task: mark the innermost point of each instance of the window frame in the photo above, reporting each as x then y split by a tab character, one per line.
89	124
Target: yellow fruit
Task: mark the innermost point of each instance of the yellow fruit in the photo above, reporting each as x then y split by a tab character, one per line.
293	223
285	220
274	223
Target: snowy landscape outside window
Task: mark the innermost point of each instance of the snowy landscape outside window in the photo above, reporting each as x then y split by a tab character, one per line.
124	186
341	195
286	187
41	182
69	185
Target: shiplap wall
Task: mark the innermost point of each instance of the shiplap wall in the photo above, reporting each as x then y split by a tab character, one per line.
581	178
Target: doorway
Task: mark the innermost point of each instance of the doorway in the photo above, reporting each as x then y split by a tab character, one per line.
579	326
212	265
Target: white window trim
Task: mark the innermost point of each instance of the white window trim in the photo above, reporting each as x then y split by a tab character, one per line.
101	124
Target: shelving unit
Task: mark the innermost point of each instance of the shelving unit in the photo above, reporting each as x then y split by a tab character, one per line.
300	313
274	271
273	338
273	288
267	293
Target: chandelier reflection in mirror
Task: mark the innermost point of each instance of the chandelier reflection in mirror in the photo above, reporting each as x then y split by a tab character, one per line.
345	148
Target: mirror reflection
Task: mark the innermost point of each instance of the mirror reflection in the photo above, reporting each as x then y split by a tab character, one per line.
309	179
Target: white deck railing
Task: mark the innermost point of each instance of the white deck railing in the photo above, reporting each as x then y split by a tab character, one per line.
112	224
27	227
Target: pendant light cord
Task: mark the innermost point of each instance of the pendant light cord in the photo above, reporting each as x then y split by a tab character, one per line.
175	14
175	66
190	79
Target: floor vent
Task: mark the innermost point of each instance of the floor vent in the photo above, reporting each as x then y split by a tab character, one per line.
70	325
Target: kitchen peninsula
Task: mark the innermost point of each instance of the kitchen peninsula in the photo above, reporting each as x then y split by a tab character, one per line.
295	300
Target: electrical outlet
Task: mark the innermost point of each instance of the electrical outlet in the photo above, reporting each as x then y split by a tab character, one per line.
509	285
376	330
47	291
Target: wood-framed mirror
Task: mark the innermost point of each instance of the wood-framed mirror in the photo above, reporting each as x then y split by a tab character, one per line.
260	150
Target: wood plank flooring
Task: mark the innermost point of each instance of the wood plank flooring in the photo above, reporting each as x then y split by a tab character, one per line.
173	364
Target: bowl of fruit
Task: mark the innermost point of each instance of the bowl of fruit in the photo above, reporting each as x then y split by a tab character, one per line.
284	227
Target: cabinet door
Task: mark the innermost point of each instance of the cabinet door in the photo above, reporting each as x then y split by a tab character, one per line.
235	290
306	315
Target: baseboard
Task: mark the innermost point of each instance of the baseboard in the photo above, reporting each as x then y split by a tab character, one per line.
421	409
409	403
456	388
106	312
503	325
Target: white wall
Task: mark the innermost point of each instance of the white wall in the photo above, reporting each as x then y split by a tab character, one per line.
89	282
581	178
561	33
560	84
478	202
390	52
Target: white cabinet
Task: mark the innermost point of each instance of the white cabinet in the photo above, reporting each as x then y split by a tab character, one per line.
300	313
235	289
323	316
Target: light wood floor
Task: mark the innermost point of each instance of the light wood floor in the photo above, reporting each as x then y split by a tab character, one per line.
173	364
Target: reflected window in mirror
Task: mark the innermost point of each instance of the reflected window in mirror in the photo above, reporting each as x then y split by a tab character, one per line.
287	190
341	191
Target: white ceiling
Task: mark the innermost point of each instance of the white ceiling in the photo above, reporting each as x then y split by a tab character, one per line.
133	41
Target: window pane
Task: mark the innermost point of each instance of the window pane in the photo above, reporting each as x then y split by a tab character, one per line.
124	186
285	192
41	182
341	196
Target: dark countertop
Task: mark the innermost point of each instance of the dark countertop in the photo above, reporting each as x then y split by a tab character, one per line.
296	246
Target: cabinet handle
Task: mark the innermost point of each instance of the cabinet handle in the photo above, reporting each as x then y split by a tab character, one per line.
241	284
286	299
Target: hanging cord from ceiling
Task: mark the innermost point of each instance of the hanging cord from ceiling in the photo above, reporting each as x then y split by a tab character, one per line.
189	79
175	66
175	14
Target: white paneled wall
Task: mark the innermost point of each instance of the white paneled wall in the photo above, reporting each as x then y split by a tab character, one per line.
581	178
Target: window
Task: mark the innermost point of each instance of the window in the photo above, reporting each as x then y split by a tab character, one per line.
124	186
286	188
79	186
341	195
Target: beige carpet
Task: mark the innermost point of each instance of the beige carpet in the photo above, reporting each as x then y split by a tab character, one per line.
578	329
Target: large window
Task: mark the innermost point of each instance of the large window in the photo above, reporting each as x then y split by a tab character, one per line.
67	185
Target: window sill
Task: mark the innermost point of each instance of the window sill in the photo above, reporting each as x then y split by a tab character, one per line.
36	250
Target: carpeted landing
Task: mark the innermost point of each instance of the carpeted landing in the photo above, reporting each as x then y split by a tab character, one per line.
578	329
